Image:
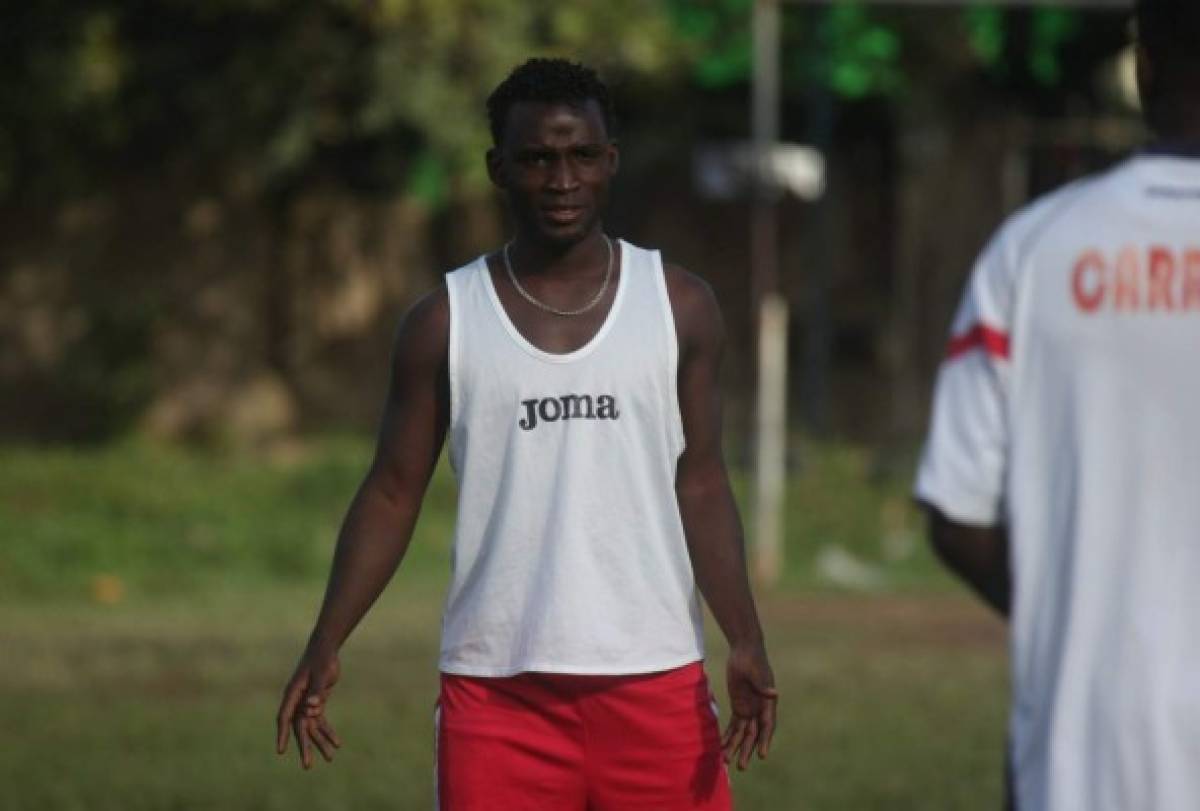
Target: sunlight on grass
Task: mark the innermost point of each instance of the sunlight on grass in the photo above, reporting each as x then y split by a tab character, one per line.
111	522
162	519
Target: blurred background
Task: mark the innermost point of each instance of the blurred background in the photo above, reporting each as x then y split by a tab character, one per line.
212	215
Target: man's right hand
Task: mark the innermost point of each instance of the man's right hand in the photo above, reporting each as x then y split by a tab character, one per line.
302	709
379	524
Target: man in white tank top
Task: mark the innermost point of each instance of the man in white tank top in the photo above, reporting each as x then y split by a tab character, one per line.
576	377
1062	471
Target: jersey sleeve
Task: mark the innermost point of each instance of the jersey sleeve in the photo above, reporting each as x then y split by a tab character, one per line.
962	468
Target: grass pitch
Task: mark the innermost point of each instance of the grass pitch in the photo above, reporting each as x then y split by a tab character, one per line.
152	603
887	703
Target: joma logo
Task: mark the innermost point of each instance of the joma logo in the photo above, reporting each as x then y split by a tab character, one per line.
568	407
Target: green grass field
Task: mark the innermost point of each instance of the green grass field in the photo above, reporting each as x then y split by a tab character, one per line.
153	601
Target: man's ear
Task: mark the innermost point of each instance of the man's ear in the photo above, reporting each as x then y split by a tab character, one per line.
495	167
1145	77
614	152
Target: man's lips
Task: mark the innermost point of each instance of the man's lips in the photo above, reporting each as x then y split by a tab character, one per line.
562	214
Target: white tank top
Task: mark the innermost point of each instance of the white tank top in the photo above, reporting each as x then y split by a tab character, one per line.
569	553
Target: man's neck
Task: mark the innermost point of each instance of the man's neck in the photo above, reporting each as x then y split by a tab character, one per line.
1176	124
1182	140
585	257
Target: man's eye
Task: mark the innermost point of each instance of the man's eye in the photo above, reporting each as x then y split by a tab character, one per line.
534	159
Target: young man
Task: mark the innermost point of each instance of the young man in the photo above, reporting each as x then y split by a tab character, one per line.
576	376
1062	472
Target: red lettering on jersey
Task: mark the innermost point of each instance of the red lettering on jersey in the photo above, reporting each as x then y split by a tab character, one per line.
1089	295
1162	274
1126	287
980	336
1191	280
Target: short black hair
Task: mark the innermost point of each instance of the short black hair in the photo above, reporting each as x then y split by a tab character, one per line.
548	81
1169	30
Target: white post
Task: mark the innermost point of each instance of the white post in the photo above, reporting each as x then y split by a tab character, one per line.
771	451
770	314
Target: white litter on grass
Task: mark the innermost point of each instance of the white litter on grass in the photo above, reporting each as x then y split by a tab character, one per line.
843	568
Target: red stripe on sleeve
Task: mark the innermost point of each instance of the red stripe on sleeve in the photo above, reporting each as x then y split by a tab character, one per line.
980	336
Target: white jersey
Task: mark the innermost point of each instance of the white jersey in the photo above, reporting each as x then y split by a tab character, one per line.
1068	409
569	552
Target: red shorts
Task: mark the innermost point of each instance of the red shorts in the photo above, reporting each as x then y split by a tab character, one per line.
553	742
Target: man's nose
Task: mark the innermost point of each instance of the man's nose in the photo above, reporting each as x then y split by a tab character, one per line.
562	175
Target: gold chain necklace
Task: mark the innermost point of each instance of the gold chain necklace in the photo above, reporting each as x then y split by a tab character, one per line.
525	294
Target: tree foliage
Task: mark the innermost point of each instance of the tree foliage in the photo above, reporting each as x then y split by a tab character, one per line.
854	49
200	190
1051	30
386	95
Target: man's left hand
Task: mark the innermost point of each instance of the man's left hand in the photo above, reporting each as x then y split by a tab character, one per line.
752	700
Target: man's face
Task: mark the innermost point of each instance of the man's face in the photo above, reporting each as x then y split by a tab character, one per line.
555	164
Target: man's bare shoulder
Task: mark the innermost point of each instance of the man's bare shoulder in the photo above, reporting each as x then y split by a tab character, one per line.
424	330
697	314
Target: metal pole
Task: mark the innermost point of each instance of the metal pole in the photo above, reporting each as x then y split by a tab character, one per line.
771	312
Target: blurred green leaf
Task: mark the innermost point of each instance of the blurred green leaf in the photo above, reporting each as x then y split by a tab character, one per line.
1052	29
428	180
986	32
719	32
862	53
101	63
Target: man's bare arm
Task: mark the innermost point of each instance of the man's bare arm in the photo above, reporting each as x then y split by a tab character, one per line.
711	522
978	555
379	523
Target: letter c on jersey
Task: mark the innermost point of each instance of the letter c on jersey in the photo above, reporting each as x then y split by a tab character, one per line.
1088	280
